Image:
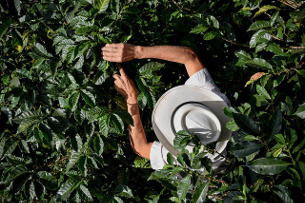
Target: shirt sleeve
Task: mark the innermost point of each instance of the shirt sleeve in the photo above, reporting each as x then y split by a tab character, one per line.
158	155
202	78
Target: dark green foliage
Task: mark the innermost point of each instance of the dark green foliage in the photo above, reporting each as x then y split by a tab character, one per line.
64	135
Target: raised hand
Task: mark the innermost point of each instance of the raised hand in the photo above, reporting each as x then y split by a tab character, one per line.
119	52
125	86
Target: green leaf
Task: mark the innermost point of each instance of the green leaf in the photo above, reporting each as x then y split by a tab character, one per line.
73	100
209	36
88	97
101	79
58	124
283	193
275	124
280	139
98	145
258	36
46	176
199	29
201	193
243	55
17	6
124	115
124	191
260	100
104	124
41	51
67	188
142	100
182	140
86	192
117	123
27	116
243	149
260	63
170	159
2	145
148	68
183	186
275	48
82	165
16	172
214	21
4	27
299	146
274	18
301	72
268	166
231	125
278	80
101	5
302	168
300	111
277	152
250	138
246	124
146	91
32	190
46	133
72	160
259	25
96	112
262	91
264	9
12	148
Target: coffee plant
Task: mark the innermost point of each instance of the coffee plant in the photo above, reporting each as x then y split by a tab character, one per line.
63	132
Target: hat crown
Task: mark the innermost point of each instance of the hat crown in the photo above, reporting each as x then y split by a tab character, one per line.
197	119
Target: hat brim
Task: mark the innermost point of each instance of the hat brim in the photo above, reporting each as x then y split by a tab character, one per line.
177	96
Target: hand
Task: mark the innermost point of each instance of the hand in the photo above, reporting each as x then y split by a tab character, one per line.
125	86
119	52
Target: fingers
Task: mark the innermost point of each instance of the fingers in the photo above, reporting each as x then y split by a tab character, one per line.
112	52
113	58
116	76
112	48
118	52
121	70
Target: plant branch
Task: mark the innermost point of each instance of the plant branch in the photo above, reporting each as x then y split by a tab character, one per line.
291	4
216	197
187	9
274	37
243	45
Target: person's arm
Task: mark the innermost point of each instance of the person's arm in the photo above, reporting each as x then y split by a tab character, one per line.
179	54
125	86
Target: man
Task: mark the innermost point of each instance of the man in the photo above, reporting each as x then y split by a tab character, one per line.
195	107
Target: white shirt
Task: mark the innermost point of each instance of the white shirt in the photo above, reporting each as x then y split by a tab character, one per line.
202	78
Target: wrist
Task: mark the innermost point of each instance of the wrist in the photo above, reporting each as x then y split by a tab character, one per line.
132	100
139	52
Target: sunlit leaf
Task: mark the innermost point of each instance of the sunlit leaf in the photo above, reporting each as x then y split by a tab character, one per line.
264	9
268	166
243	149
201	193
257	25
101	5
183	186
246	124
300	112
67	188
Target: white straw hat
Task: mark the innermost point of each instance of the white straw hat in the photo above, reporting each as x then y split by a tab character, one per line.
194	109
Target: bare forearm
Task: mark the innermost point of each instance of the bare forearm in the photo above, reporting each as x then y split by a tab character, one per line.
138	139
178	54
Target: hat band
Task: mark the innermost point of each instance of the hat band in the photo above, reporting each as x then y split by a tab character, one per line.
197	119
